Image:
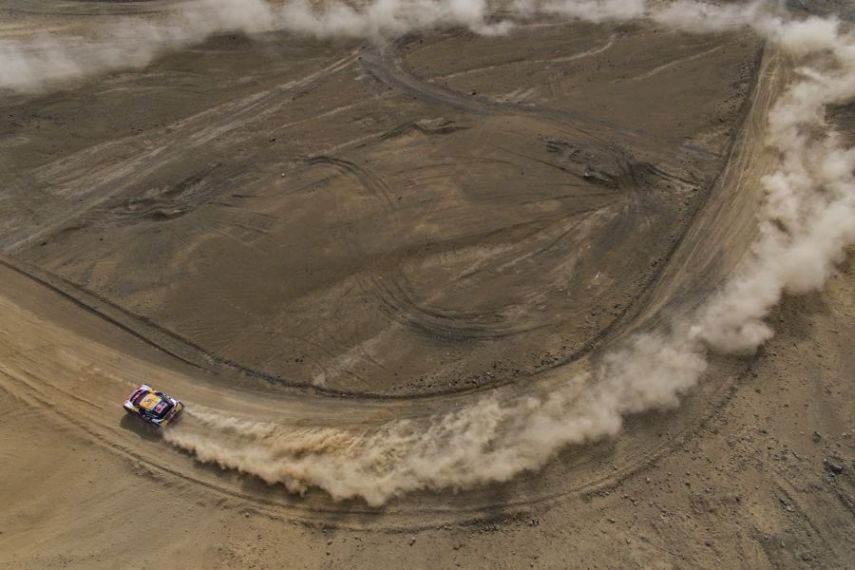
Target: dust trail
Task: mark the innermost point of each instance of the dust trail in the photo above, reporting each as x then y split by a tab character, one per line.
49	60
31	65
806	222
45	61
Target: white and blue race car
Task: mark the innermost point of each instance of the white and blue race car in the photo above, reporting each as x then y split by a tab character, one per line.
152	406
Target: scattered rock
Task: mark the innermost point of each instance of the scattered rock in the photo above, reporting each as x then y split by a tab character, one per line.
786	505
816	437
833	465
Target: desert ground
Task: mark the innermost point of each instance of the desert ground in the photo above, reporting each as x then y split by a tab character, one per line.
303	237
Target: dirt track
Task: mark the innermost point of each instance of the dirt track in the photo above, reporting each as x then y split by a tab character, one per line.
335	234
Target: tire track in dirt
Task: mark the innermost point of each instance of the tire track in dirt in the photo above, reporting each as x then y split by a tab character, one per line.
386	65
393	291
98	174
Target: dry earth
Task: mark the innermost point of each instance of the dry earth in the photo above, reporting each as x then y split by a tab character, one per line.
342	232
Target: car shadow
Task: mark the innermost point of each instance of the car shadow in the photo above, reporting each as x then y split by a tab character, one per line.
140	428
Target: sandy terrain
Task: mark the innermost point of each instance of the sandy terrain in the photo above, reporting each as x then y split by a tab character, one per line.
323	236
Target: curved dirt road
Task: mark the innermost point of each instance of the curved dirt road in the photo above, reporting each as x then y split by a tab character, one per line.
83	365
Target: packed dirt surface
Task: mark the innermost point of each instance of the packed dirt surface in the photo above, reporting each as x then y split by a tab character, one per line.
299	234
381	220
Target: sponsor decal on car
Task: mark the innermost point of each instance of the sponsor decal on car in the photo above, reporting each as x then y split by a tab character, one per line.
150	401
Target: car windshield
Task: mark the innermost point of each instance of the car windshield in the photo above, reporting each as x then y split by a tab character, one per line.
138	397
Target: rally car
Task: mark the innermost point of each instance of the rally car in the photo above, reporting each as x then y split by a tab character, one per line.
152	406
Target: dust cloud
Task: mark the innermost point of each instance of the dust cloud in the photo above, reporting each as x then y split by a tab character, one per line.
49	61
806	222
